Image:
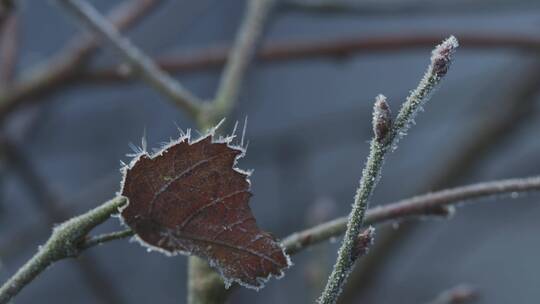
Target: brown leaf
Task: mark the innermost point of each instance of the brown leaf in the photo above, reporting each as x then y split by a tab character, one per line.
189	198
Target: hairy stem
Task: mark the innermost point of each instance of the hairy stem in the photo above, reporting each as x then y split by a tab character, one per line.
440	62
63	243
425	205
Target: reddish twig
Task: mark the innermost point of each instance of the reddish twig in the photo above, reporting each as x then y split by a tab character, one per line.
215	57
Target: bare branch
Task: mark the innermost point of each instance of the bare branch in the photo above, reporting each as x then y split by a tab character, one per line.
74	241
138	61
68	61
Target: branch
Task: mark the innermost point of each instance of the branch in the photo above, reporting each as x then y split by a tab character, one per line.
63	243
53	76
104	238
425	205
419	206
386	137
508	114
138	61
6	8
9	36
205	285
214	57
239	57
68	61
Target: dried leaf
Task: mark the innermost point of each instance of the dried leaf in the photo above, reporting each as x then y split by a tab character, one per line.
189	198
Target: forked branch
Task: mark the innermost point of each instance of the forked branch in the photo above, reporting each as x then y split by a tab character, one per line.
385	139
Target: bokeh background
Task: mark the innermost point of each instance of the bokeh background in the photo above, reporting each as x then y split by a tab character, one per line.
309	127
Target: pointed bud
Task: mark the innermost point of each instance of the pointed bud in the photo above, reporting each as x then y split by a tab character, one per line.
382	118
441	57
362	243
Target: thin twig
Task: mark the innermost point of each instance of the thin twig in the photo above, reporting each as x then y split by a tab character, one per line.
138	61
512	111
457	295
70	59
425	205
63	243
105	237
205	285
9	41
393	8
59	73
240	56
380	145
49	207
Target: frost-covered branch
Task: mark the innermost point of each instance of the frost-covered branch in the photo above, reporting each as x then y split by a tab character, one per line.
205	285
64	243
433	204
380	145
137	60
9	42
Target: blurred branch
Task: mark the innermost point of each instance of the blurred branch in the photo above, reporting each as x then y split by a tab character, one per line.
205	285
70	238
457	295
515	109
389	8
105	237
9	41
6	8
61	71
70	59
137	60
63	243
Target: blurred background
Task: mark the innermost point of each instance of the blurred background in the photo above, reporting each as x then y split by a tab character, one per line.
309	108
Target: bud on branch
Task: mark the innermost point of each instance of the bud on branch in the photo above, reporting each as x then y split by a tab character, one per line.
441	57
382	118
362	243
